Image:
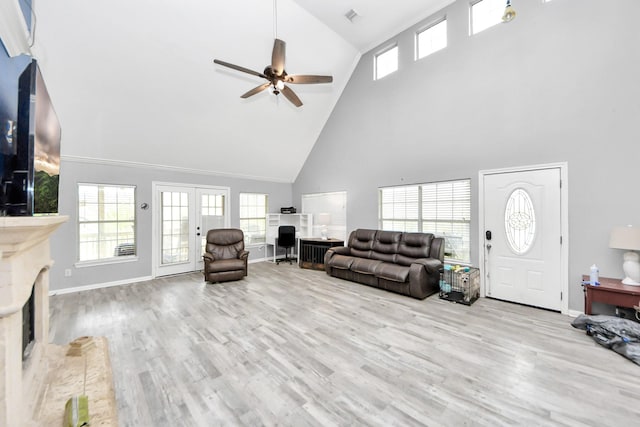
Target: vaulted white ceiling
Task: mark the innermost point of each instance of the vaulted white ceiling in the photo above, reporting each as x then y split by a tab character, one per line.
135	81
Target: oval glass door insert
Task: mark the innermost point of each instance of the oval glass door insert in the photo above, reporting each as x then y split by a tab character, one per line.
520	221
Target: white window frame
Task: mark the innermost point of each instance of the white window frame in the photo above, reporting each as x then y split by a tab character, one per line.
426	31
386	50
113	259
329	213
409	212
496	10
263	218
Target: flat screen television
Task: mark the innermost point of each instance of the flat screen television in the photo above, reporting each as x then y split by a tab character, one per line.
34	184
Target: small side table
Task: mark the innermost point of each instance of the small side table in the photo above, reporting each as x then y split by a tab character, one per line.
312	251
610	291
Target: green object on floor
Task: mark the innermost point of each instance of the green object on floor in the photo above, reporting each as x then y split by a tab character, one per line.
76	412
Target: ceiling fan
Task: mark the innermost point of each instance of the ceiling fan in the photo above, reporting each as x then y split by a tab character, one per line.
277	76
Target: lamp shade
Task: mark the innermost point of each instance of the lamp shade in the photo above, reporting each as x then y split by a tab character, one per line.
324	219
625	237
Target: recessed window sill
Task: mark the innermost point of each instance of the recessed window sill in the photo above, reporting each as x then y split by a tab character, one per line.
108	261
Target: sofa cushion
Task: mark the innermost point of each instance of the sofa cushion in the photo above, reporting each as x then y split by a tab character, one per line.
394	272
342	262
365	266
413	246
361	242
385	245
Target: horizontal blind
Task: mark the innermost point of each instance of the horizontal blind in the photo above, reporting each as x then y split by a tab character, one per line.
446	212
441	208
400	208
327	207
106	221
253	217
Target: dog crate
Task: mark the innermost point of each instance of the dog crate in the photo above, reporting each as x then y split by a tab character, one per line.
460	285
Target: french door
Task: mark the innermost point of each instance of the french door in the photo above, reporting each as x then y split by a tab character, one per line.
523	237
181	218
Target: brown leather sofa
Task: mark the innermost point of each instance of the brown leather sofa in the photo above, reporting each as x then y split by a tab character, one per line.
225	258
406	263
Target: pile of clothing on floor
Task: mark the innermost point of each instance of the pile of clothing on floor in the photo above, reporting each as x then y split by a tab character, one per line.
620	335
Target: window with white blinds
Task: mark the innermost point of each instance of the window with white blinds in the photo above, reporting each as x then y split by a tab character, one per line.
253	217
441	208
329	213
400	208
106	222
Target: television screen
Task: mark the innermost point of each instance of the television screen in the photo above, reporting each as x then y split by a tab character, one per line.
46	151
36	172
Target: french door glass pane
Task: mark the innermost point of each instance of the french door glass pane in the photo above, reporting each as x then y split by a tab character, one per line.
175	227
212	215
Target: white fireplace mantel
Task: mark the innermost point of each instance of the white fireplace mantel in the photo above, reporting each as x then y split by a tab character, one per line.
24	267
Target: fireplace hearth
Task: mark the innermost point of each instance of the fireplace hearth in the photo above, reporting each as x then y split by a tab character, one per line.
24	313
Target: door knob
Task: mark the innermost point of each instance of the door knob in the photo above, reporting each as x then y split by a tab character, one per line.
488	246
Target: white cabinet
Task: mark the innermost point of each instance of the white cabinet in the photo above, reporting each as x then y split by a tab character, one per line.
302	222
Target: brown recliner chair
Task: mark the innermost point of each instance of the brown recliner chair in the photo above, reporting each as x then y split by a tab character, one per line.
225	258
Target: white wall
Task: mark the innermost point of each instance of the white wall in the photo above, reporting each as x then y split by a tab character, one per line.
135	75
64	245
557	84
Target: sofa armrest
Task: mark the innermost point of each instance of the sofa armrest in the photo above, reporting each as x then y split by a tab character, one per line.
437	248
340	250
432	265
424	276
208	257
243	255
336	250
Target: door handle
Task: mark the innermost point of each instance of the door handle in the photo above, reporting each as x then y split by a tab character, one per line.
488	246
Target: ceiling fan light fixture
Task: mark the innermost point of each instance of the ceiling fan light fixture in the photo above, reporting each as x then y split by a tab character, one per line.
509	14
279	85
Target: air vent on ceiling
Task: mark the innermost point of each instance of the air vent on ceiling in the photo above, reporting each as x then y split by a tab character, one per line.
351	15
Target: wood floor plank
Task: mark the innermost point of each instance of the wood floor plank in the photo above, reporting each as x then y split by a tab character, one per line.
287	346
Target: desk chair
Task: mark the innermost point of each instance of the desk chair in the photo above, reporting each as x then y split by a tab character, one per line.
286	240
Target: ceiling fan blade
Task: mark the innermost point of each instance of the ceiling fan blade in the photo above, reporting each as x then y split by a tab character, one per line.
291	96
304	79
255	90
239	68
278	57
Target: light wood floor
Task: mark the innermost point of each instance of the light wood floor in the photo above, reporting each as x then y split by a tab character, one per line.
287	346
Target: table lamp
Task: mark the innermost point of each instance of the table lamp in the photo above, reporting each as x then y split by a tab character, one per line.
324	219
628	238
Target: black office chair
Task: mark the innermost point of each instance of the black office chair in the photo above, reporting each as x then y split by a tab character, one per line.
286	240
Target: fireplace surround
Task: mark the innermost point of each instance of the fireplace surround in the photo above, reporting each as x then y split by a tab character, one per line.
24	268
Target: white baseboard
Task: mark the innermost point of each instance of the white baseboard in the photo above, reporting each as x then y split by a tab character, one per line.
574	313
98	286
119	282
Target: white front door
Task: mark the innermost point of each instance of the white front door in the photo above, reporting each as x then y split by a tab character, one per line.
522	237
182	216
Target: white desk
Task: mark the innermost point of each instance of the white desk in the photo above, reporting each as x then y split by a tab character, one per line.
274	245
303	223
